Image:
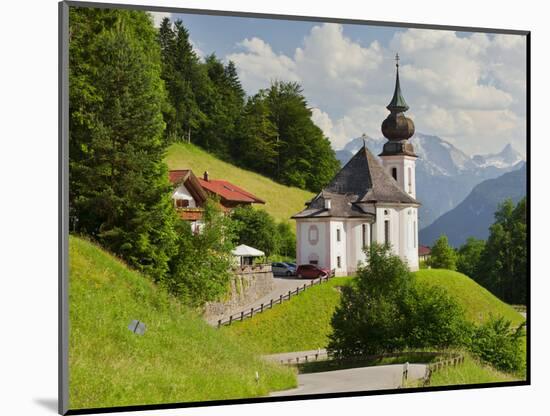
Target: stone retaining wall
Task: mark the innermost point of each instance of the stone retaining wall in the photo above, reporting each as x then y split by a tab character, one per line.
248	284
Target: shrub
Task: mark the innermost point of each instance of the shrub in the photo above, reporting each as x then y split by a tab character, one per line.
286	240
385	311
255	228
258	229
371	317
201	269
499	344
436	320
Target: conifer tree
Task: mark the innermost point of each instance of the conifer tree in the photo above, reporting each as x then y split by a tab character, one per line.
119	192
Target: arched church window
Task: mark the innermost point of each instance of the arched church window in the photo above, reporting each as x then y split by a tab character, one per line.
410	180
394	173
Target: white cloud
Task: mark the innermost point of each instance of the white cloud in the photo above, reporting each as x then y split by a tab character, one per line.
258	65
200	53
159	16
468	88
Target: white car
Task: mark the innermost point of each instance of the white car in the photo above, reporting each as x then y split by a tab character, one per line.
283	269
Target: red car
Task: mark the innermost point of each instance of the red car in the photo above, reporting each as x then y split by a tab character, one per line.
311	271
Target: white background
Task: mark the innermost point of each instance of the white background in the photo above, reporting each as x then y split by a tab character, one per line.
28	208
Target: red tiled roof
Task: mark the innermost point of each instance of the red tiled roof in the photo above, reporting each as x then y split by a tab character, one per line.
229	192
424	250
177	175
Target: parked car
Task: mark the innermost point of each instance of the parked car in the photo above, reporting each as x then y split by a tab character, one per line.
311	271
283	269
293	265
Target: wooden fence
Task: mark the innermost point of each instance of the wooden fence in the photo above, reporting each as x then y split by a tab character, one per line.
447	358
453	359
249	313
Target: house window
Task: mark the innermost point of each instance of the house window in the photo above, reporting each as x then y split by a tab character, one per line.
394	173
182	203
338	234
386	232
410	180
339	262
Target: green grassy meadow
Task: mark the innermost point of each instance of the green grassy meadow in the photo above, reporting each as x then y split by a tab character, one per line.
281	201
471	371
180	358
478	302
302	323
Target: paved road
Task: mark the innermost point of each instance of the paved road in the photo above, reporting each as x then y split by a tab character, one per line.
355	379
281	286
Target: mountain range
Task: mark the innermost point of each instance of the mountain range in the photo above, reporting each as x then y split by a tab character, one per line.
473	216
445	175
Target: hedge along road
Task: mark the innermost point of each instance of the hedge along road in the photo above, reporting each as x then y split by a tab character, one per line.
355	379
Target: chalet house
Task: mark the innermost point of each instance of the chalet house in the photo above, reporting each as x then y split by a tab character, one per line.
190	194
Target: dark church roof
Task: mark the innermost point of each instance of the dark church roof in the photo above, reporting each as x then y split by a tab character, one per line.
360	183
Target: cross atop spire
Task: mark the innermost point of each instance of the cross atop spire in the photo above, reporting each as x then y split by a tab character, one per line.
397	103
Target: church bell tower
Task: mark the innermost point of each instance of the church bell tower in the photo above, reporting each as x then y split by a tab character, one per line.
398	155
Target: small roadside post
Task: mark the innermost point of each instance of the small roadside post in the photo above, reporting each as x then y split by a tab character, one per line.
405	374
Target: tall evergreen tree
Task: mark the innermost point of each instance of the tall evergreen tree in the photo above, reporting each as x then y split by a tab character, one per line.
305	158
119	192
256	144
184	78
443	255
503	264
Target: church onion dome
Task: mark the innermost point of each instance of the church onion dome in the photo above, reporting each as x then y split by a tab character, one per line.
397	127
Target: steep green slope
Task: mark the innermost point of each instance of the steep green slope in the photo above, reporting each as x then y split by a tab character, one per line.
303	323
477	301
179	358
281	201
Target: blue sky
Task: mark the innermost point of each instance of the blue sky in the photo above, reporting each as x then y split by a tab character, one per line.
468	88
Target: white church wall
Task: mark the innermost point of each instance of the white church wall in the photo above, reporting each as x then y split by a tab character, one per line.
390	214
409	237
355	253
338	247
312	242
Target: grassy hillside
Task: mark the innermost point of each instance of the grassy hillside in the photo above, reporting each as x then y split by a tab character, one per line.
281	201
179	358
471	371
302	323
477	301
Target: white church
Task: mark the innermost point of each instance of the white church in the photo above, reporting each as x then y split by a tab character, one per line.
367	201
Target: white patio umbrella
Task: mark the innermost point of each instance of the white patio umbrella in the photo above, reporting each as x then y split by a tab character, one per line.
243	251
